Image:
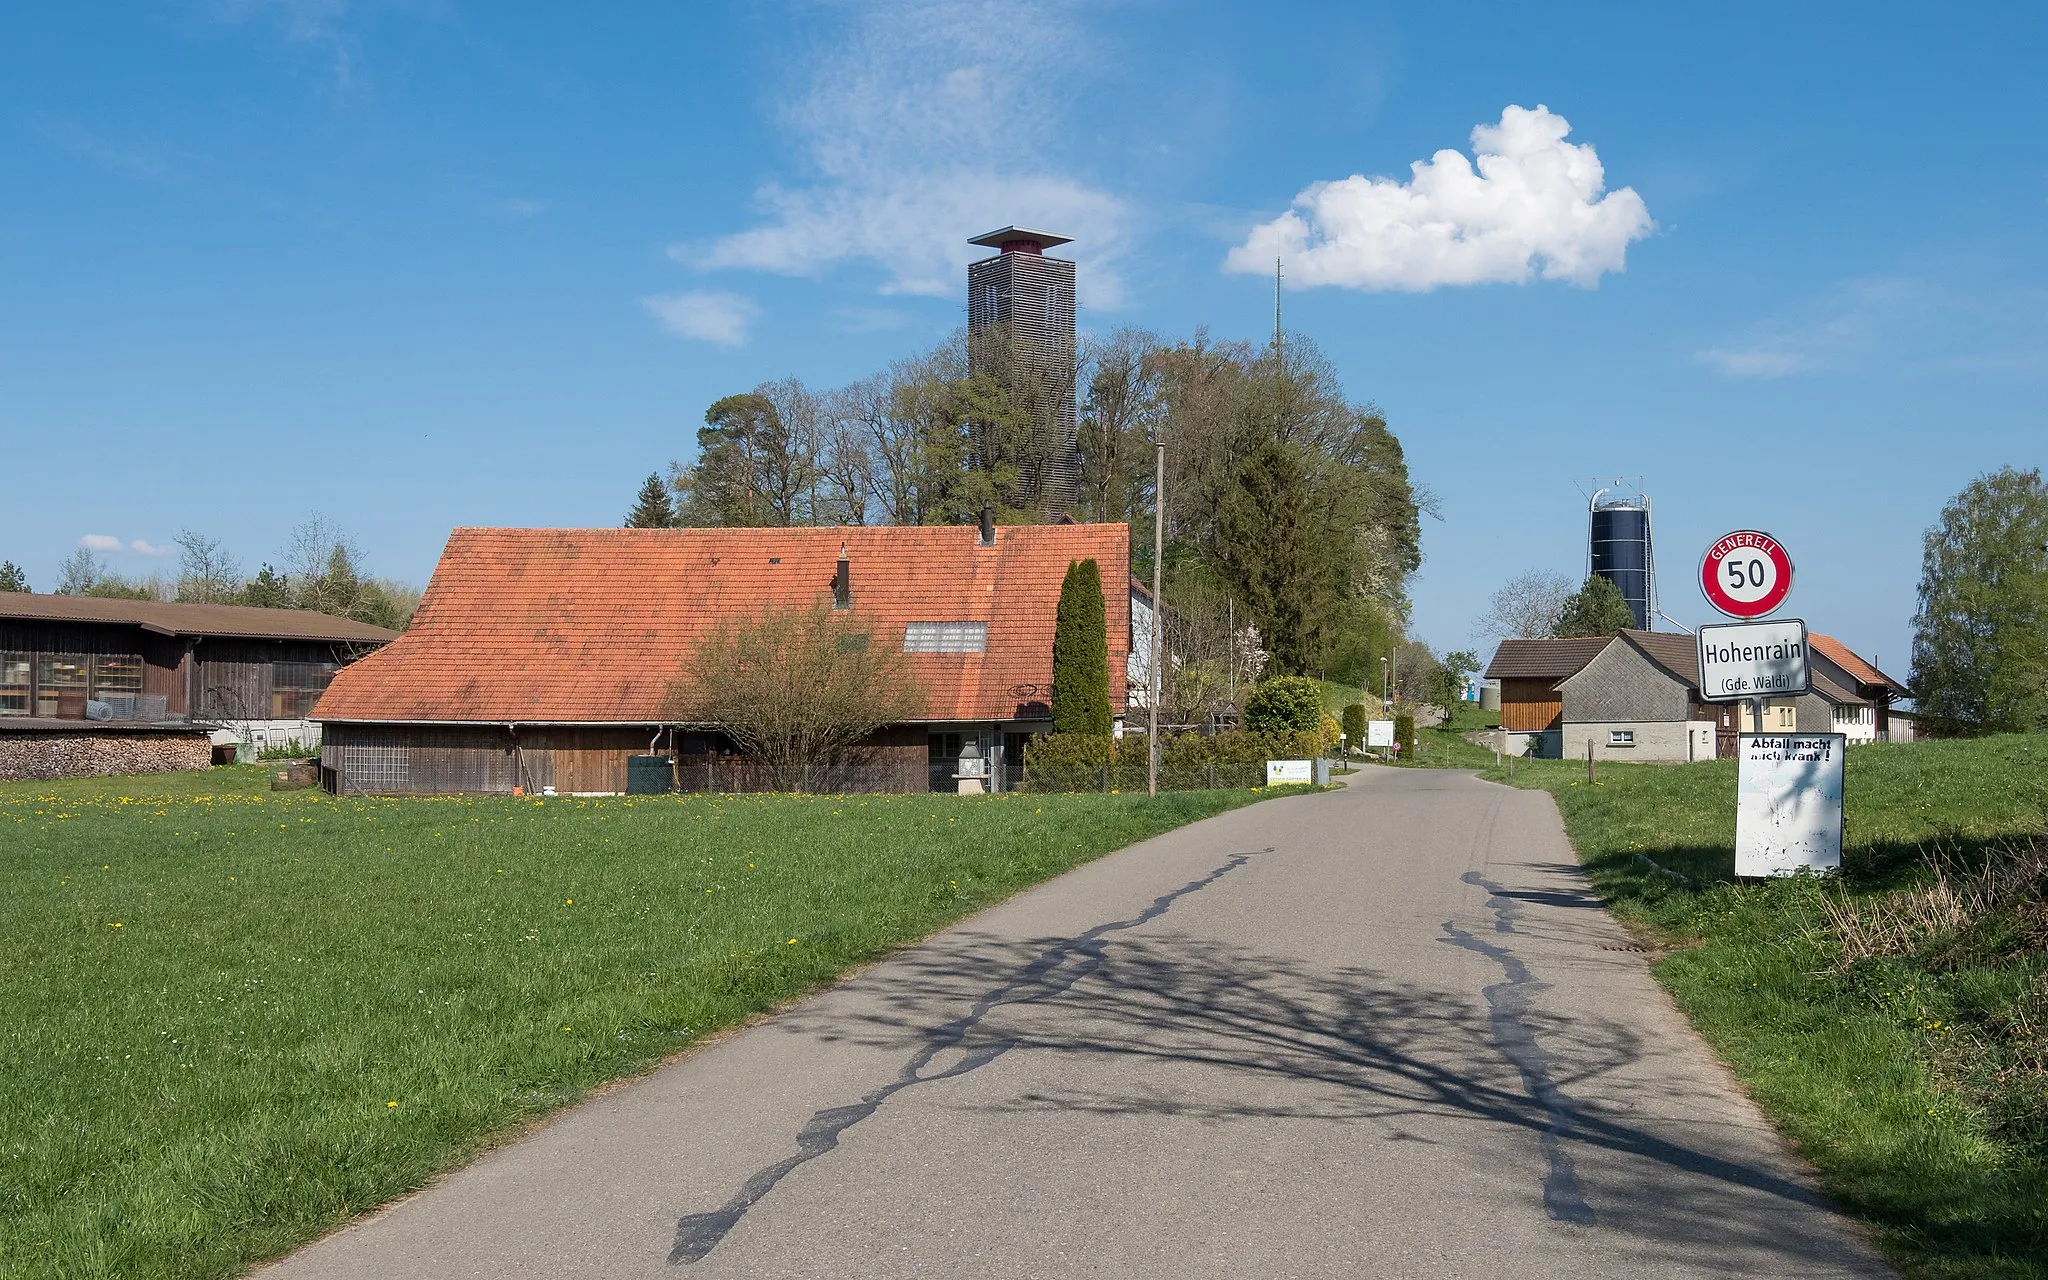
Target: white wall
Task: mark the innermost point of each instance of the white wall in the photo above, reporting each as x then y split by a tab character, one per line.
1657	741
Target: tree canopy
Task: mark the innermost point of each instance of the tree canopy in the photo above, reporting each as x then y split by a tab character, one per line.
1596	609
1980	645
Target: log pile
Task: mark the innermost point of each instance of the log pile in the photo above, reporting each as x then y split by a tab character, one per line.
43	756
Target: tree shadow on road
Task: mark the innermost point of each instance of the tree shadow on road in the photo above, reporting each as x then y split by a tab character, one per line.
1281	1039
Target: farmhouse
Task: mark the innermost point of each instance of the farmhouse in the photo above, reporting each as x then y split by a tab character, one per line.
1636	696
541	659
98	686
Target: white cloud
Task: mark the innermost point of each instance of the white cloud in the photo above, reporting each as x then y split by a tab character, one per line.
101	542
141	548
932	121
706	315
1534	208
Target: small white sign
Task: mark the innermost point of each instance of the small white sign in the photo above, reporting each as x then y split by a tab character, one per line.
1788	803
1753	660
1279	771
1379	733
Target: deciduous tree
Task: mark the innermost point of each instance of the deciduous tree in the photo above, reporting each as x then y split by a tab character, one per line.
1980	645
797	688
207	572
1526	607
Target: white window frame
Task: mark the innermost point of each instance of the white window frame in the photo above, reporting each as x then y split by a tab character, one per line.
1621	737
945	637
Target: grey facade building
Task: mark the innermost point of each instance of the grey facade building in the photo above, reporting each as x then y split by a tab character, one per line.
1020	331
1636	696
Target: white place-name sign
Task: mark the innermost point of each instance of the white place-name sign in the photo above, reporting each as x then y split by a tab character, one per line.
1279	771
1788	803
1753	660
1379	733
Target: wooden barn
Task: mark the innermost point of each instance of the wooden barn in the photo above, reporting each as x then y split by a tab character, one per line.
541	659
93	685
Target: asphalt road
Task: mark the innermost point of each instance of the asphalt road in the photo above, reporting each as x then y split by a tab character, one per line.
1381	1032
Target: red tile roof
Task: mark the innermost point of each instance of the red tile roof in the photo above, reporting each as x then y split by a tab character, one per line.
567	626
1857	669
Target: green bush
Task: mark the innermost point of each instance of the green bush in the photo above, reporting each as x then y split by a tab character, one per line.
1284	704
1404	733
1354	723
1187	761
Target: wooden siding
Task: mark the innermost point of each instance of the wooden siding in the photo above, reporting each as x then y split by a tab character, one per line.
1530	706
360	759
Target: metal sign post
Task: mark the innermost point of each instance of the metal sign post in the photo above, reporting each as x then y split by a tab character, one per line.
1788	805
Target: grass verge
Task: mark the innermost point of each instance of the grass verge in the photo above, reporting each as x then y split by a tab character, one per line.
237	1018
1912	1066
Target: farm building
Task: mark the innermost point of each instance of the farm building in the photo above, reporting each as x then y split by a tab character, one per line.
541	659
1636	696
98	686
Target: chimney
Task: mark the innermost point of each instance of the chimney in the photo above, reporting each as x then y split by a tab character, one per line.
988	525
842	582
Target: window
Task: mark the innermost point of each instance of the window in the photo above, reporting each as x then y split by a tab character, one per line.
1621	737
296	686
945	637
116	674
14	668
59	678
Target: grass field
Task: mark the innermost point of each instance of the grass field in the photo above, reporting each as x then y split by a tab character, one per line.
235	1018
1916	1080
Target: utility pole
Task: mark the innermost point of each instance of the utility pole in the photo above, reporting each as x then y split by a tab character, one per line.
1158	610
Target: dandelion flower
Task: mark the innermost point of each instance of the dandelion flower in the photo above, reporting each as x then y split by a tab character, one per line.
391	1104
792	942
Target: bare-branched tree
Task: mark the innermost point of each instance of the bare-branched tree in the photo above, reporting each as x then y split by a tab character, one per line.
797	688
1526	607
207	572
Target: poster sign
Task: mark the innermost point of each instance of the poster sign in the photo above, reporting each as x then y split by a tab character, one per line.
1753	660
1279	771
1746	574
1788	803
1379	733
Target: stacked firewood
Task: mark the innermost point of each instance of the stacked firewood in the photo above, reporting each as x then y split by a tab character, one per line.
85	755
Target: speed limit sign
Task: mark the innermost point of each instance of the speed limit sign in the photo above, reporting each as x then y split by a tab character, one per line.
1746	574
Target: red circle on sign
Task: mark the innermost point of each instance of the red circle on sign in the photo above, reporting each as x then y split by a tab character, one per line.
1746	574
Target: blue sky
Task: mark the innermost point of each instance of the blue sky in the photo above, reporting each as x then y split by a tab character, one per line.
424	264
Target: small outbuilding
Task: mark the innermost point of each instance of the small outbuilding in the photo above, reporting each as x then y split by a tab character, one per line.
92	685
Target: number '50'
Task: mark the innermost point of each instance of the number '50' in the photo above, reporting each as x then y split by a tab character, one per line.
1744	573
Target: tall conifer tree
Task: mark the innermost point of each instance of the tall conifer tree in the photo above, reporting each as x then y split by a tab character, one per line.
652	510
1080	654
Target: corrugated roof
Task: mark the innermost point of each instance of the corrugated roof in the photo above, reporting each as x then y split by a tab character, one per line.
227	620
1857	669
1543	659
591	625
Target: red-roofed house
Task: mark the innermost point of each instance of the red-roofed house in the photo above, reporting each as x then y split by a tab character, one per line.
542	658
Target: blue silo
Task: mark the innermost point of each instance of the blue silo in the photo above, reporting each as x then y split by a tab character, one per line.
1618	549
